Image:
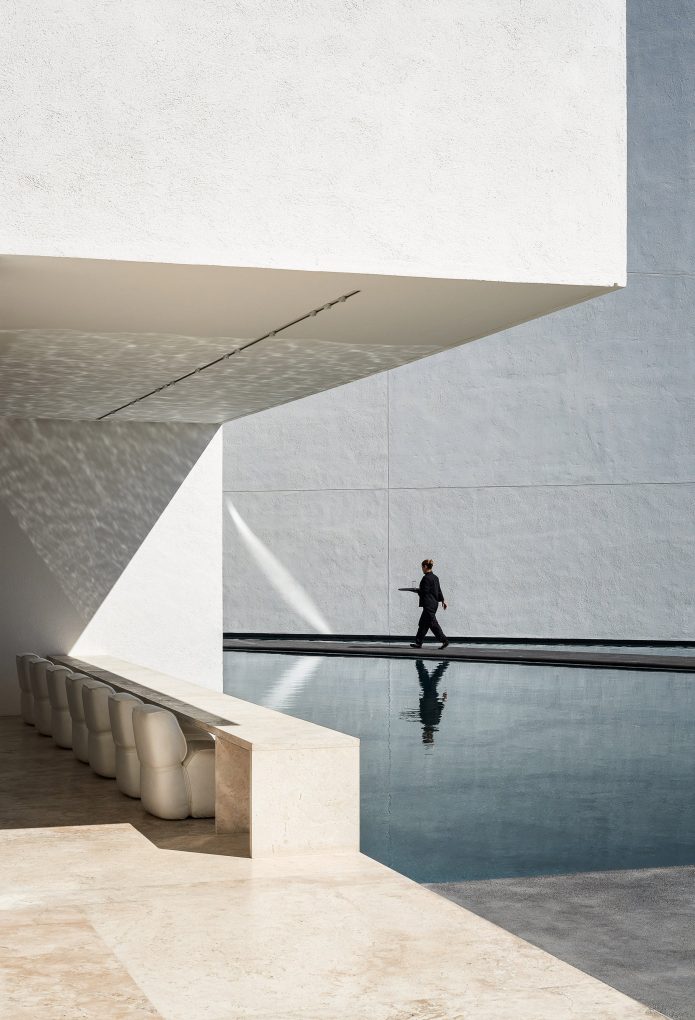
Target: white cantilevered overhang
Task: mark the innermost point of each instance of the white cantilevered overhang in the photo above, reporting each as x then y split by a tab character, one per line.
86	338
182	180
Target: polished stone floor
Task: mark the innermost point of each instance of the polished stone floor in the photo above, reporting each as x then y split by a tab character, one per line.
43	785
101	915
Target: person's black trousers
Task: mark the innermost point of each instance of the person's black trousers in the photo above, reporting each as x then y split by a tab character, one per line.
428	621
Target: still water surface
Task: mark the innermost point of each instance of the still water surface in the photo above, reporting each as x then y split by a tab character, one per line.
482	770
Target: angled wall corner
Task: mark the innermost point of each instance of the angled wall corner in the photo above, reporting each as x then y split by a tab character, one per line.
111	541
165	610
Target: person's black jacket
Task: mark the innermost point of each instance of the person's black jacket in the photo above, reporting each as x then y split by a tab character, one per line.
430	592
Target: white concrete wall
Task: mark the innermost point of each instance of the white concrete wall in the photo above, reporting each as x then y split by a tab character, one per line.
551	476
549	470
110	538
463	139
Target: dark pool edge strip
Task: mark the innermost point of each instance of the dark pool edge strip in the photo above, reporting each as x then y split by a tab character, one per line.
595	660
461	639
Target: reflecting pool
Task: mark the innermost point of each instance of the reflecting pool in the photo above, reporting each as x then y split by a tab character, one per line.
482	770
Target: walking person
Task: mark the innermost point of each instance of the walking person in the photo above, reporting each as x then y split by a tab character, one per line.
430	593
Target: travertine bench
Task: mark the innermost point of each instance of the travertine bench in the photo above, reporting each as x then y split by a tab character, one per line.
291	785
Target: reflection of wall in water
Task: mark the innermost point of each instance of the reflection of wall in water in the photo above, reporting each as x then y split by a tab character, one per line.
532	770
353	693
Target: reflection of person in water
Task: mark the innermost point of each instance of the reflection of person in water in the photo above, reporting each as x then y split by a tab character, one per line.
431	705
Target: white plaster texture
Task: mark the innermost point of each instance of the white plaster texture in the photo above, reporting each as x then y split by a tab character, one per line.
548	469
334	441
471	141
577	561
165	609
99	524
335	543
601	394
556	561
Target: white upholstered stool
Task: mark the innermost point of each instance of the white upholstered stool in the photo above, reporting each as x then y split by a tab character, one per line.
26	697
39	690
61	723
100	745
177	777
127	762
80	734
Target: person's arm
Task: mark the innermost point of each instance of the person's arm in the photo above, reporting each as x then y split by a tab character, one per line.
416	590
440	597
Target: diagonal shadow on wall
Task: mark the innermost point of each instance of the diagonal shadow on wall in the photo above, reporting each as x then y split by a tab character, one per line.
108	532
86	494
31	593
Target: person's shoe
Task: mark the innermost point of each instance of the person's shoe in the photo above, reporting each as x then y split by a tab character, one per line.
414	644
445	645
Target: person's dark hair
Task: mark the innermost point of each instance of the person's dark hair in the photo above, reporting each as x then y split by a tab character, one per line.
428	564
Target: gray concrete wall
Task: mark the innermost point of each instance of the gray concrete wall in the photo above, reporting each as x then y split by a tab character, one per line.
549	470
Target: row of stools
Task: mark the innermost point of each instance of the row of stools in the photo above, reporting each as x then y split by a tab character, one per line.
141	746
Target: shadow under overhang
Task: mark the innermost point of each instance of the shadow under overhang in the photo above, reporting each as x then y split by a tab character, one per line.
82	337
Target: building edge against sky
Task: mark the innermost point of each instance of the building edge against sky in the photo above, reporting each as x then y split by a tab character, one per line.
260	153
549	470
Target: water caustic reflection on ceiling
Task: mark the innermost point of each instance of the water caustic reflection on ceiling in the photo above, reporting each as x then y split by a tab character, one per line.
78	375
80	338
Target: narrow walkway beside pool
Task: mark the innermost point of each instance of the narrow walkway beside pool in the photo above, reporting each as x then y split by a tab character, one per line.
623	659
97	920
